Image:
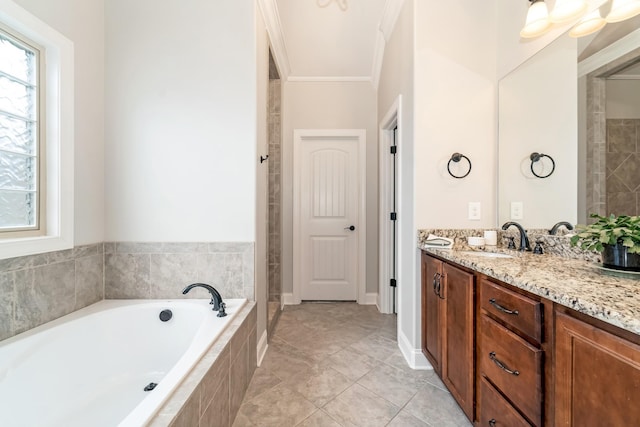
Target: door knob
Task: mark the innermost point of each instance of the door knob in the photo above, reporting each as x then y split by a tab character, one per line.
351	227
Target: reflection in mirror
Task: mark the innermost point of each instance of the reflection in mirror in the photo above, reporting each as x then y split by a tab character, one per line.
553	105
611	98
538	114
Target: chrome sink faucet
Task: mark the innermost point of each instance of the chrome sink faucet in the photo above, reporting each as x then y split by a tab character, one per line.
524	239
216	299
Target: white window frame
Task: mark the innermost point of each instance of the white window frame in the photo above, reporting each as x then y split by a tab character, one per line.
57	128
38	229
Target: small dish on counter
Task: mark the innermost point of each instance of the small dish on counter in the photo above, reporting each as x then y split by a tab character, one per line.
475	241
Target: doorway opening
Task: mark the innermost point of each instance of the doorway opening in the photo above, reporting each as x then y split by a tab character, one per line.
274	136
390	217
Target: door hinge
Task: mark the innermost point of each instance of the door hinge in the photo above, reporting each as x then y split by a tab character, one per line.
394	216
393	283
394	149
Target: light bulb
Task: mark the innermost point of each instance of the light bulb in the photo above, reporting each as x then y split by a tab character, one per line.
591	23
567	10
537	20
623	9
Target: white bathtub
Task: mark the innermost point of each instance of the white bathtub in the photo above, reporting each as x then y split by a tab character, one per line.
90	368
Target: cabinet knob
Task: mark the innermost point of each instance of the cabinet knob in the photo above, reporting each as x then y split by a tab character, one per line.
492	422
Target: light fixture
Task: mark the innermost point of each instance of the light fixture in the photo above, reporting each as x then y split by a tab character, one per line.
623	9
589	24
537	20
567	10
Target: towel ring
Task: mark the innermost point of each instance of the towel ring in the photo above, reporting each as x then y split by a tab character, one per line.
538	156
456	157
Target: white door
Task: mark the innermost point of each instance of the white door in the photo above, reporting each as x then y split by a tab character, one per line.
328	169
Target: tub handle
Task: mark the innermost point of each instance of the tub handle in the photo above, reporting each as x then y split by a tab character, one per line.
221	312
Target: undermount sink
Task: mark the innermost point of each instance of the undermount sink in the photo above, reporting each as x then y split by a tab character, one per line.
485	254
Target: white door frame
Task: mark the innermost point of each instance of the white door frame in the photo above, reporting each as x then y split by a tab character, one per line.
391	120
299	136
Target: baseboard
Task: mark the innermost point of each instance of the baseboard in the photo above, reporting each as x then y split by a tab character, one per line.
262	347
371	298
414	357
287	299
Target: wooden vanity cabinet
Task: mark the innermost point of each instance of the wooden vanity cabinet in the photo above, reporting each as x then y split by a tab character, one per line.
572	369
597	375
431	336
510	352
448	327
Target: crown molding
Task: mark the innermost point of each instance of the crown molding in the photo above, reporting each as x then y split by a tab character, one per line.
269	10
378	59
610	53
390	14
329	79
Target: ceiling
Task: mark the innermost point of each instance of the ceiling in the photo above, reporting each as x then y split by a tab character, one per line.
328	40
343	40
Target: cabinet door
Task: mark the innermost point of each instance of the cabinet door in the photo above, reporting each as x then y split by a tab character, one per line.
597	376
431	280
458	343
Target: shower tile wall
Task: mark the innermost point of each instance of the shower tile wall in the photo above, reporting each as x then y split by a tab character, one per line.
162	270
623	164
596	195
36	289
274	189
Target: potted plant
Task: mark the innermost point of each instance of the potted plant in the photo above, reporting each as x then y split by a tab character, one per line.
616	237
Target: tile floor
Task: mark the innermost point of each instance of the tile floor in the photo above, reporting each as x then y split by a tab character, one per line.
338	365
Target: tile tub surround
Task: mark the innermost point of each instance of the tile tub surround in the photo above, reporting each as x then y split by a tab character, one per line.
211	394
161	270
577	284
37	289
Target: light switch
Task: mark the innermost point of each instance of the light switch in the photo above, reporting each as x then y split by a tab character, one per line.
474	211
517	210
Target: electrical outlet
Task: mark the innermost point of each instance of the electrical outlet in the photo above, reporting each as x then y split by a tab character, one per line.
474	211
517	210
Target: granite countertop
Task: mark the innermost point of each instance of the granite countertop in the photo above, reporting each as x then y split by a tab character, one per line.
581	285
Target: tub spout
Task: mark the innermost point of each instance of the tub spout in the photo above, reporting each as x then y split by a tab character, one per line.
216	299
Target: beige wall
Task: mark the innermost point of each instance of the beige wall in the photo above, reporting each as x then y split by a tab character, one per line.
329	105
455	111
262	175
181	120
397	78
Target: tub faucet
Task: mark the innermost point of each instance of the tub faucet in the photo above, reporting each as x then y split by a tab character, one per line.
555	228
216	299
524	239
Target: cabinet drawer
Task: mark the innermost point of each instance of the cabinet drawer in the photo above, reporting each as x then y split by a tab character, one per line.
524	314
495	411
513	365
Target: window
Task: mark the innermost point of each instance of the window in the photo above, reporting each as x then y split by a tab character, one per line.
20	141
36	106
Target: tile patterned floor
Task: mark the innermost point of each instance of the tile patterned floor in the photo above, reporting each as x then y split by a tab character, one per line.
333	365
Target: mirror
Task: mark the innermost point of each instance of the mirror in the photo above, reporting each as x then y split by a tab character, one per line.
544	109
